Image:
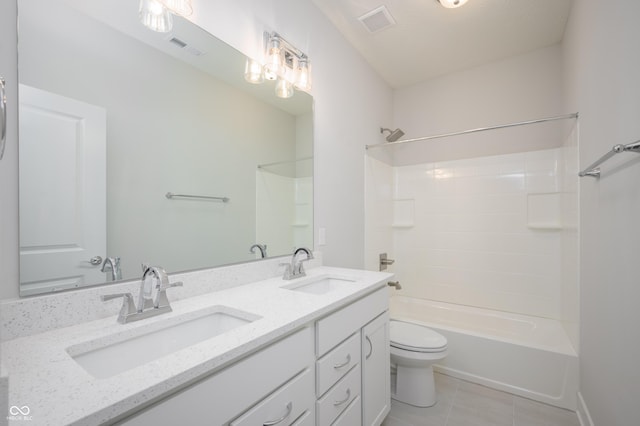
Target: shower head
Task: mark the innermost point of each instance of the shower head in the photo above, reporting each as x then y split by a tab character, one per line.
394	135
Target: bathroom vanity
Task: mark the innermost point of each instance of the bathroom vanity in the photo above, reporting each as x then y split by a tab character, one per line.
308	351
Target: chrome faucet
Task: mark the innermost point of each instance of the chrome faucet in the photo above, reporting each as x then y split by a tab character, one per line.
150	303
295	269
112	264
261	247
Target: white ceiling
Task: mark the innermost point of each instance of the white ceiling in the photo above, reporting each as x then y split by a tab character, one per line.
429	40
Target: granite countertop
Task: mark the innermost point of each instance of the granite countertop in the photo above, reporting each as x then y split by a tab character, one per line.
58	391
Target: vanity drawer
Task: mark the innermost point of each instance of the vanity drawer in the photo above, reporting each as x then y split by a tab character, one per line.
341	324
284	405
307	419
223	396
334	365
339	397
352	415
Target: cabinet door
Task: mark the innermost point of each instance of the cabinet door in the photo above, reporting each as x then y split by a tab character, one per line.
376	398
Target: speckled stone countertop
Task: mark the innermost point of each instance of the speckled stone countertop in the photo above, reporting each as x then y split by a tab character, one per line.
58	391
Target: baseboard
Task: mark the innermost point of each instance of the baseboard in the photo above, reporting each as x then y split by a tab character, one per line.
583	412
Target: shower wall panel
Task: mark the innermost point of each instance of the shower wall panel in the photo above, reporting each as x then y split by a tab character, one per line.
473	238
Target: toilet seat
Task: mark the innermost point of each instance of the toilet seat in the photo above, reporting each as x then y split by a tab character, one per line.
415	338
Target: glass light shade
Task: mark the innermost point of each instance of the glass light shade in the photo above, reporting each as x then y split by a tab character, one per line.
284	89
452	4
179	7
303	76
155	16
253	72
275	60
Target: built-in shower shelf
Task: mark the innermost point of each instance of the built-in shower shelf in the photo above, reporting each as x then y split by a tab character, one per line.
300	224
402	225
403	213
548	225
544	211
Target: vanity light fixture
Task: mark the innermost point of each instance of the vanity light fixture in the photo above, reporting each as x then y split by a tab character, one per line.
157	15
452	4
253	72
179	7
303	75
284	88
274	65
284	63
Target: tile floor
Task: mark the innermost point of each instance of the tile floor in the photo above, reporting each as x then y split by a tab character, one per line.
462	403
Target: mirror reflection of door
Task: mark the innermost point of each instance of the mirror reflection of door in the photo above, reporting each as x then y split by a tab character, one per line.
62	190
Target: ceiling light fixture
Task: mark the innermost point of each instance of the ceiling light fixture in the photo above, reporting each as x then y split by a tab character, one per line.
284	63
451	4
157	15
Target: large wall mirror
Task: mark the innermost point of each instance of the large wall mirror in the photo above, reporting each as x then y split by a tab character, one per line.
114	116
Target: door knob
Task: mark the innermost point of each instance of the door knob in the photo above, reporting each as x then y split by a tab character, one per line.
96	260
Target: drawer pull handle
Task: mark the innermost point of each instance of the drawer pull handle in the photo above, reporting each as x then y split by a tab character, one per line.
3	117
370	347
336	403
344	364
281	419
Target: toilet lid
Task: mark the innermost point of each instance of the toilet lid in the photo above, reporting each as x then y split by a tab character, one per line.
414	337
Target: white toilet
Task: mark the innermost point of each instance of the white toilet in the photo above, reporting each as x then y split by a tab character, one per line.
414	350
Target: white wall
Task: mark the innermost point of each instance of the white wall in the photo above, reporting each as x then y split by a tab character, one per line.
519	88
351	102
601	77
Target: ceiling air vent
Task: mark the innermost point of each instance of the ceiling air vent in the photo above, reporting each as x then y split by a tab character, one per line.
182	45
378	19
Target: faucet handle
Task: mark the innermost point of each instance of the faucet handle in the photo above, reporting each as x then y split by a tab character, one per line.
288	273
301	272
161	300
107	297
175	284
128	306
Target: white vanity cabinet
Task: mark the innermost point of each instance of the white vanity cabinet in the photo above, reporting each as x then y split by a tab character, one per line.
352	371
271	380
333	372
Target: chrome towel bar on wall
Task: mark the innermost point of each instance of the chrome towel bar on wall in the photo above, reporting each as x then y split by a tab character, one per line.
594	171
171	195
3	117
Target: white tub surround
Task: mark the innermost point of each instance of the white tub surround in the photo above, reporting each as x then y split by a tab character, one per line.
58	391
525	355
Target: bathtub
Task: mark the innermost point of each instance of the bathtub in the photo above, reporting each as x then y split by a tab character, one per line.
527	356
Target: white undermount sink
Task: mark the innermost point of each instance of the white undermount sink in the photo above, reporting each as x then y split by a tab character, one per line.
319	285
112	355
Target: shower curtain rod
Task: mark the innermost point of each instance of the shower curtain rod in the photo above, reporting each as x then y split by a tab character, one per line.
480	129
